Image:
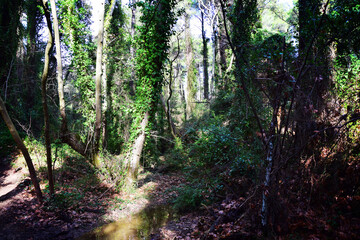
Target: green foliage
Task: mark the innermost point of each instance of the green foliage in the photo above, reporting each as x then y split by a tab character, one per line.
347	80
244	16
153	43
9	26
114	169
74	17
117	100
344	25
274	16
63	200
190	198
347	84
201	191
215	145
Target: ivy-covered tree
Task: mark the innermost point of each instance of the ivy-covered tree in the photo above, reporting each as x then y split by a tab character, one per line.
74	25
157	20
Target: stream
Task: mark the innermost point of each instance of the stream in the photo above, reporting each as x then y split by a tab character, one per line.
138	226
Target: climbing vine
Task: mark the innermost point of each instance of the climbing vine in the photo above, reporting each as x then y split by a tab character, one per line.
157	20
75	18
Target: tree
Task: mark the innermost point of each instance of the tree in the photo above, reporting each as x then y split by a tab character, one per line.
99	65
190	89
132	47
107	78
44	78
70	138
31	58
210	9
158	18
117	70
205	58
9	23
77	40
22	147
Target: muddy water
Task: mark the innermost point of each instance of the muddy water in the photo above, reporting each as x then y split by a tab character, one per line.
135	227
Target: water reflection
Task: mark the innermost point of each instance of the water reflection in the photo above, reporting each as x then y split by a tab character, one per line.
135	227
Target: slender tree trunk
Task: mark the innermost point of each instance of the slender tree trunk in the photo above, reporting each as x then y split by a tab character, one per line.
215	74
98	84
59	68
205	58
23	149
106	81
132	48
222	47
214	25
44	99
67	137
166	107
137	149
190	69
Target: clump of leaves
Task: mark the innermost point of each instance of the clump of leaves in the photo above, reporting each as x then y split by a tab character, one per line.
189	198
215	145
63	200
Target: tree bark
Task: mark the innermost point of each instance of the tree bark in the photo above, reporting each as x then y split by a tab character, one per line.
222	46
166	107
137	149
132	49
44	99
106	80
67	137
215	74
23	149
190	68
99	53
205	58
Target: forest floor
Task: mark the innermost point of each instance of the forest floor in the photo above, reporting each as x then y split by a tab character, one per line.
82	203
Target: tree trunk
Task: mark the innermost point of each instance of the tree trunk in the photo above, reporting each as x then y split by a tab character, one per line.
215	73
132	49
166	107
105	79
23	149
222	46
67	137
44	99
99	53
189	96
137	148
205	58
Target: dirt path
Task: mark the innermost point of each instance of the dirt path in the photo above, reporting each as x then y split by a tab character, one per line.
12	182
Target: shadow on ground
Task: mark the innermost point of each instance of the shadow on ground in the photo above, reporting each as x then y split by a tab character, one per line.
75	210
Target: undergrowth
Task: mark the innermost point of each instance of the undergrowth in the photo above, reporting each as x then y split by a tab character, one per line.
211	156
